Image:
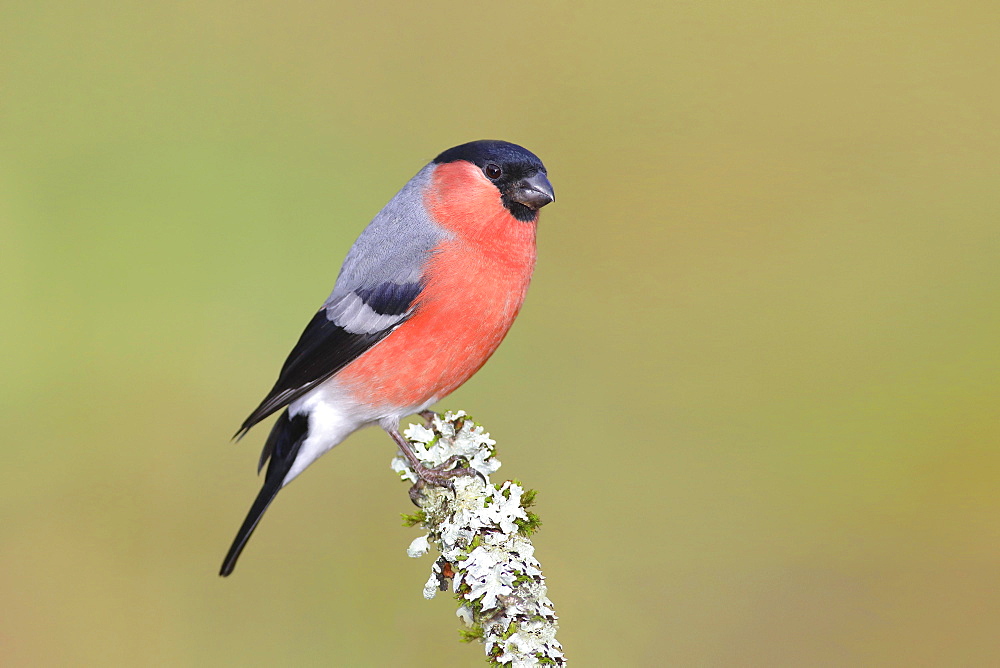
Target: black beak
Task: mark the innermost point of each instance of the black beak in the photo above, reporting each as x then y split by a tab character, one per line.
533	192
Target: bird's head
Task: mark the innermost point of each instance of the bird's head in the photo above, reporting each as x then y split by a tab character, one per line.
491	170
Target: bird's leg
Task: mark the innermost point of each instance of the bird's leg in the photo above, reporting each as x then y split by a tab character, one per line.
428	416
439	475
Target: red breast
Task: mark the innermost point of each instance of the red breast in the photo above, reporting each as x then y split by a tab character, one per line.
477	280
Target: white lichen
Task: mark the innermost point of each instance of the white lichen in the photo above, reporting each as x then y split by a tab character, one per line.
481	532
418	548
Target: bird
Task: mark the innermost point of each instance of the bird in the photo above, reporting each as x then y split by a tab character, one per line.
424	297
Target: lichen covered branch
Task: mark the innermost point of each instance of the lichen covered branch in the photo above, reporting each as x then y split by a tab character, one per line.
482	534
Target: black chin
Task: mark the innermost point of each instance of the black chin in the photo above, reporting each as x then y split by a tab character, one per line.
523	213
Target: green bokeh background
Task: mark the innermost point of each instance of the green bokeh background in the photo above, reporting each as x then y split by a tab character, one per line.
756	378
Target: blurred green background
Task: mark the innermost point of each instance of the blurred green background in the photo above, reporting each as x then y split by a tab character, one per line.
755	381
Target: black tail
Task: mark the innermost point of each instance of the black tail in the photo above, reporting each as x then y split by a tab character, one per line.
282	446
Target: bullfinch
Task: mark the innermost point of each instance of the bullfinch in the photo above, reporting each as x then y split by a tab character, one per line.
425	296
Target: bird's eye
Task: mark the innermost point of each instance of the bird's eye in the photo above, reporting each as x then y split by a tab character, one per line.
492	171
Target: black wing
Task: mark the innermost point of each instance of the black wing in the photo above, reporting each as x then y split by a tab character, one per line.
326	347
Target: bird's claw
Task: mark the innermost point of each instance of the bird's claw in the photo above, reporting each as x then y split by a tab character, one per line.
428	417
444	475
441	476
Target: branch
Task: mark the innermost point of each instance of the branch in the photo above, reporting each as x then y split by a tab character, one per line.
482	533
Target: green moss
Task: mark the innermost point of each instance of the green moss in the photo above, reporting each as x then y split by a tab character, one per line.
413	520
521	579
474	633
475	605
510	630
529	526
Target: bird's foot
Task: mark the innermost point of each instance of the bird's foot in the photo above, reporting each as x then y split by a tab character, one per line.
444	475
428	416
440	476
